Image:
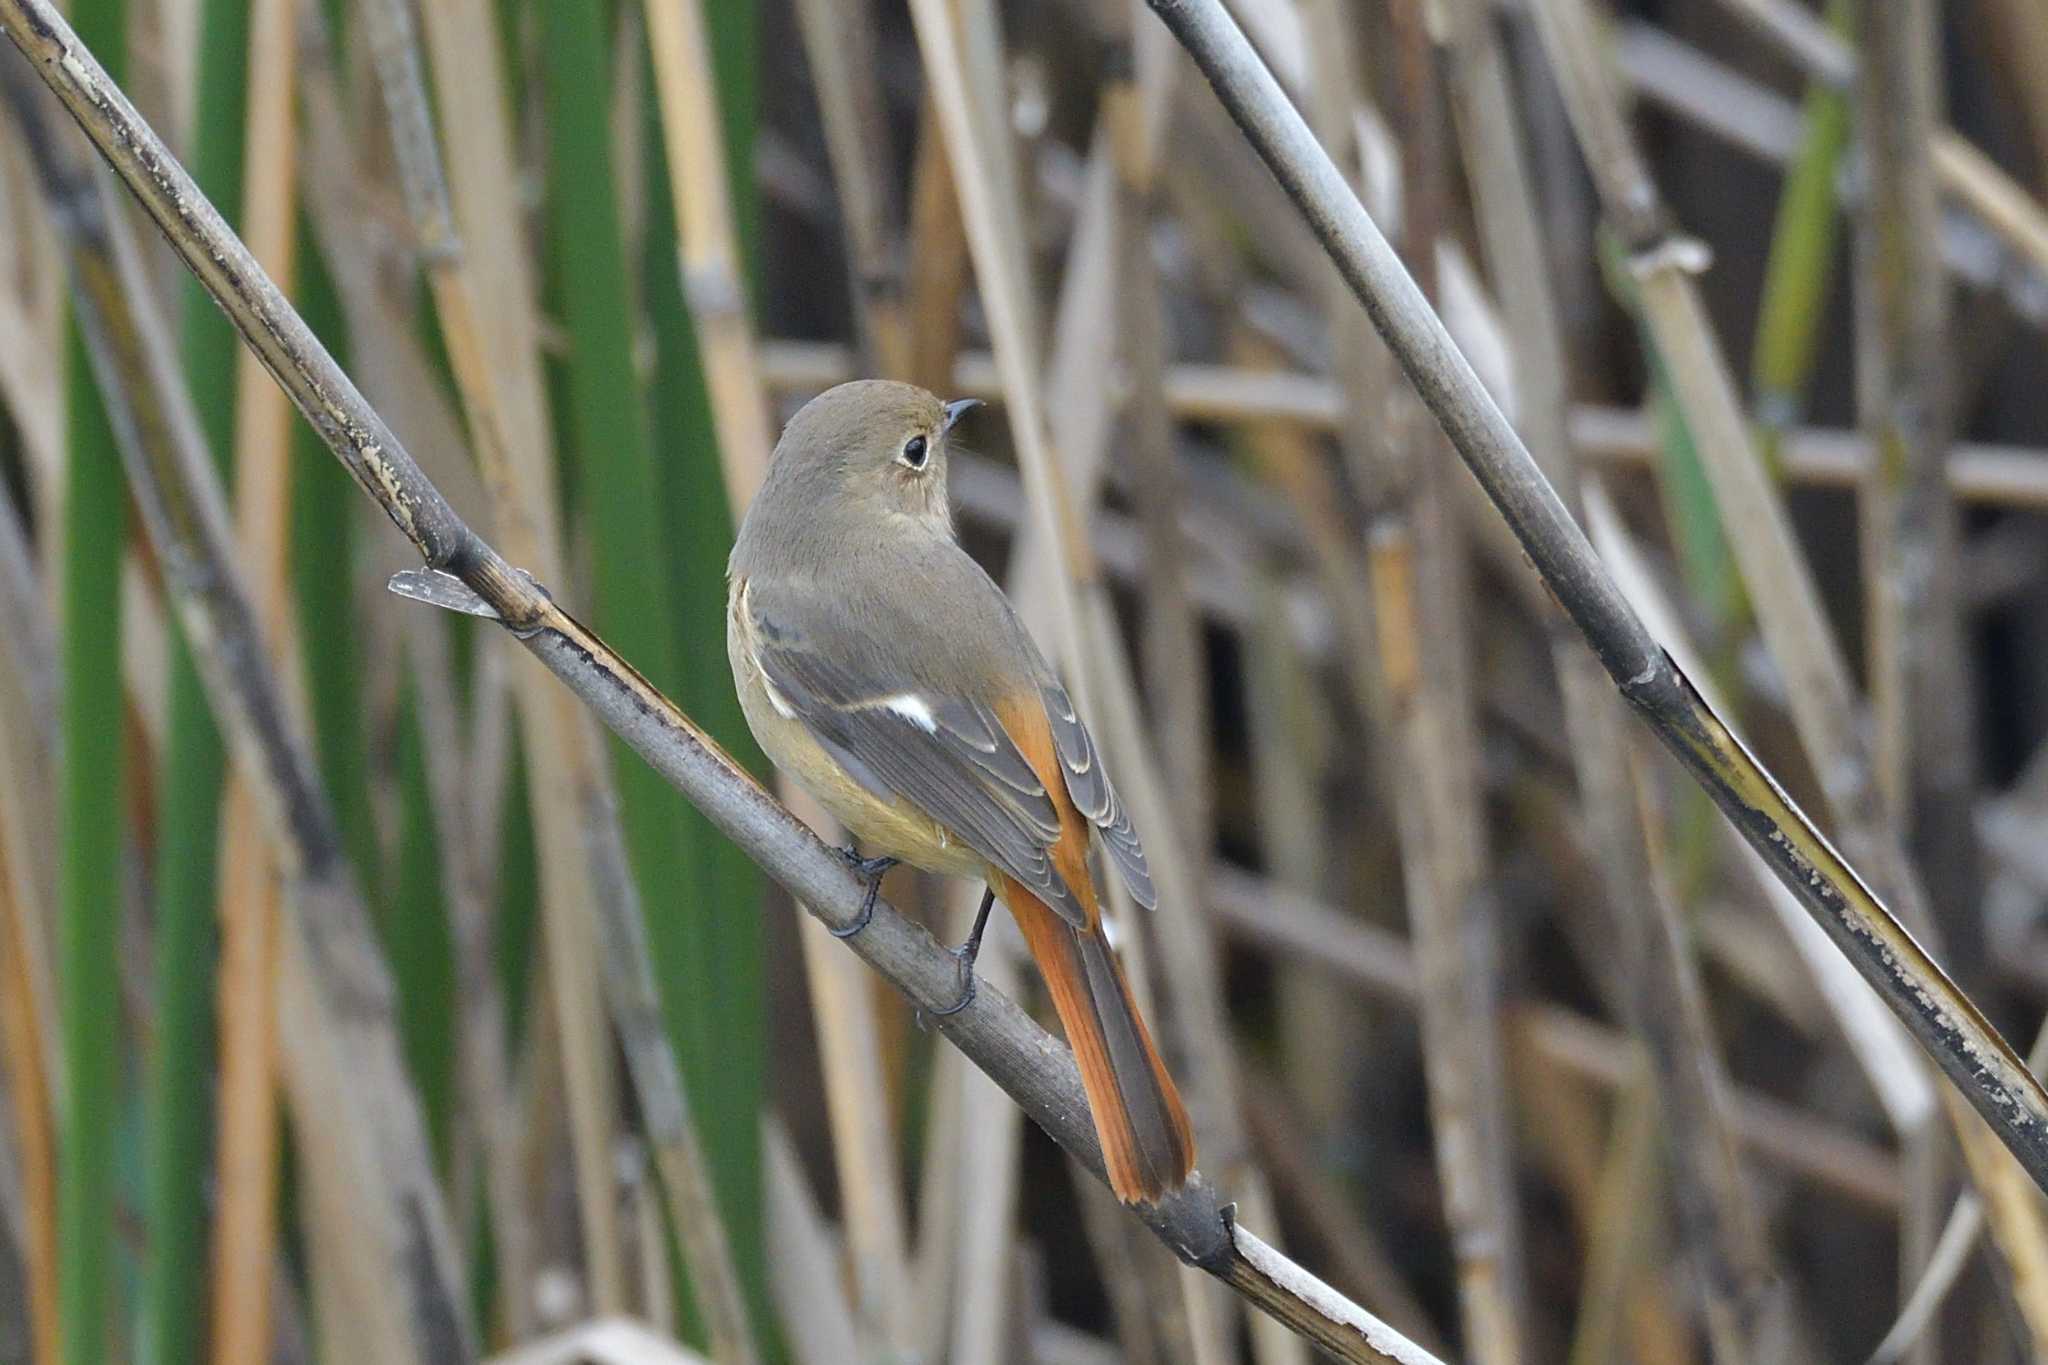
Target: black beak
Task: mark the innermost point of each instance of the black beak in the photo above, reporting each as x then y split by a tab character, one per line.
959	408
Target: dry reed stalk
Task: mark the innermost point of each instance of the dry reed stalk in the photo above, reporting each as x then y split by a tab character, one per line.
1292	743
1960	169
2023	46
30	1040
1571	1133
30	373
499	381
28	760
839	45
864	1149
580	829
986	1139
483	1139
1359	1258
1620	1237
1068	588
803	1259
26	1045
1257	911
1924	726
712	276
1919	678
1143	1296
857	1095
991	1029
2000	475
937	255
368	1175
976	153
1793	625
1414	574
245	1227
1734	1270
1170	644
854	1058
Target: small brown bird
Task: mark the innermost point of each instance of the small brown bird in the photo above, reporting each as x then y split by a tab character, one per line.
885	671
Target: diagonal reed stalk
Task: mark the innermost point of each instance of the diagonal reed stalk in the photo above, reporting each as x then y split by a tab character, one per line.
1982	1065
472	576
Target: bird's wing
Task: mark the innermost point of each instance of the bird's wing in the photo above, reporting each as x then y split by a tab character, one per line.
1088	785
903	738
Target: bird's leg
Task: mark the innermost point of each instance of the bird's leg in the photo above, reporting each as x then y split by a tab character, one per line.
871	870
967	952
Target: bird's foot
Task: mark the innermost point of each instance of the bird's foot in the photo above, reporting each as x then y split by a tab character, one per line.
965	955
870	870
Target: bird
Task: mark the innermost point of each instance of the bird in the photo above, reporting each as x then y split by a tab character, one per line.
881	667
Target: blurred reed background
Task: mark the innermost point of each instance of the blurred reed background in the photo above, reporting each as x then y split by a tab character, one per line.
1481	1009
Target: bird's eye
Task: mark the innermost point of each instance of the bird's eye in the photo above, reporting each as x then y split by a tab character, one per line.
914	451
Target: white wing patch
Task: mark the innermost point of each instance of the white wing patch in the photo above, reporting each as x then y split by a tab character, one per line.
775	697
912	708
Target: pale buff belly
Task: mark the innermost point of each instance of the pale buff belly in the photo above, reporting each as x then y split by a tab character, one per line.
890	828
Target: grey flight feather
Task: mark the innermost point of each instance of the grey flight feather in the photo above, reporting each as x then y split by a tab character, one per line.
1088	785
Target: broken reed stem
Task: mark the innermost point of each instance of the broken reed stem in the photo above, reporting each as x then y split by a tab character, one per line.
1982	1065
992	1031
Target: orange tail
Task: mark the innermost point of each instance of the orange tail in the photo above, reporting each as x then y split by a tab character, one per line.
1147	1143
